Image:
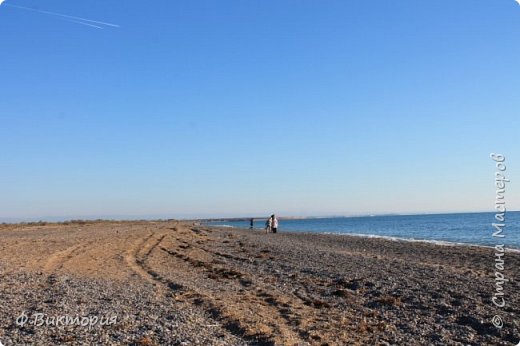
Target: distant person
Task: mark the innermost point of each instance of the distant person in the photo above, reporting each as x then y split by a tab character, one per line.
268	223
274	223
251	223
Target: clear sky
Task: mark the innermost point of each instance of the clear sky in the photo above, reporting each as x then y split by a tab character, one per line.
208	108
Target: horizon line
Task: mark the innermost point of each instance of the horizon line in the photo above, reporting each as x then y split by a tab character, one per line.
152	217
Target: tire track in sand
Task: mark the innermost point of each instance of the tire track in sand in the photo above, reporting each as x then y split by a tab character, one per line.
137	255
257	317
58	259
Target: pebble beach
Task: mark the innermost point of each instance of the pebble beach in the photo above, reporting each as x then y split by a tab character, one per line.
183	283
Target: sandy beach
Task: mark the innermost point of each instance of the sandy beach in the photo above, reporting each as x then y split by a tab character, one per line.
179	283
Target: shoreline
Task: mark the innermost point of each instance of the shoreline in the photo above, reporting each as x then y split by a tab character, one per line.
374	236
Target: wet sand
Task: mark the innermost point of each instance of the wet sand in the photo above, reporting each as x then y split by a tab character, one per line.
176	283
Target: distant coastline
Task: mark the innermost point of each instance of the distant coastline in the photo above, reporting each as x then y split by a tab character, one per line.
172	216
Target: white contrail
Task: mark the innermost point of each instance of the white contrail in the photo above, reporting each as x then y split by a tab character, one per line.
71	18
87	24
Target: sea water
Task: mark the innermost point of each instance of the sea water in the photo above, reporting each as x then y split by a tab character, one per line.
462	228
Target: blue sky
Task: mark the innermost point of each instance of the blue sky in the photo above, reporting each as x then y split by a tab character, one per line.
206	108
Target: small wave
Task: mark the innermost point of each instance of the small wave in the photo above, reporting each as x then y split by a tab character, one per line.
413	240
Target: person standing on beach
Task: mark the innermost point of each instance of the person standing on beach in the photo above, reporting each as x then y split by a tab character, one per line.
274	223
268	223
251	223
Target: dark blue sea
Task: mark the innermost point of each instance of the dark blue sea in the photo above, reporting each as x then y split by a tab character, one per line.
463	228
